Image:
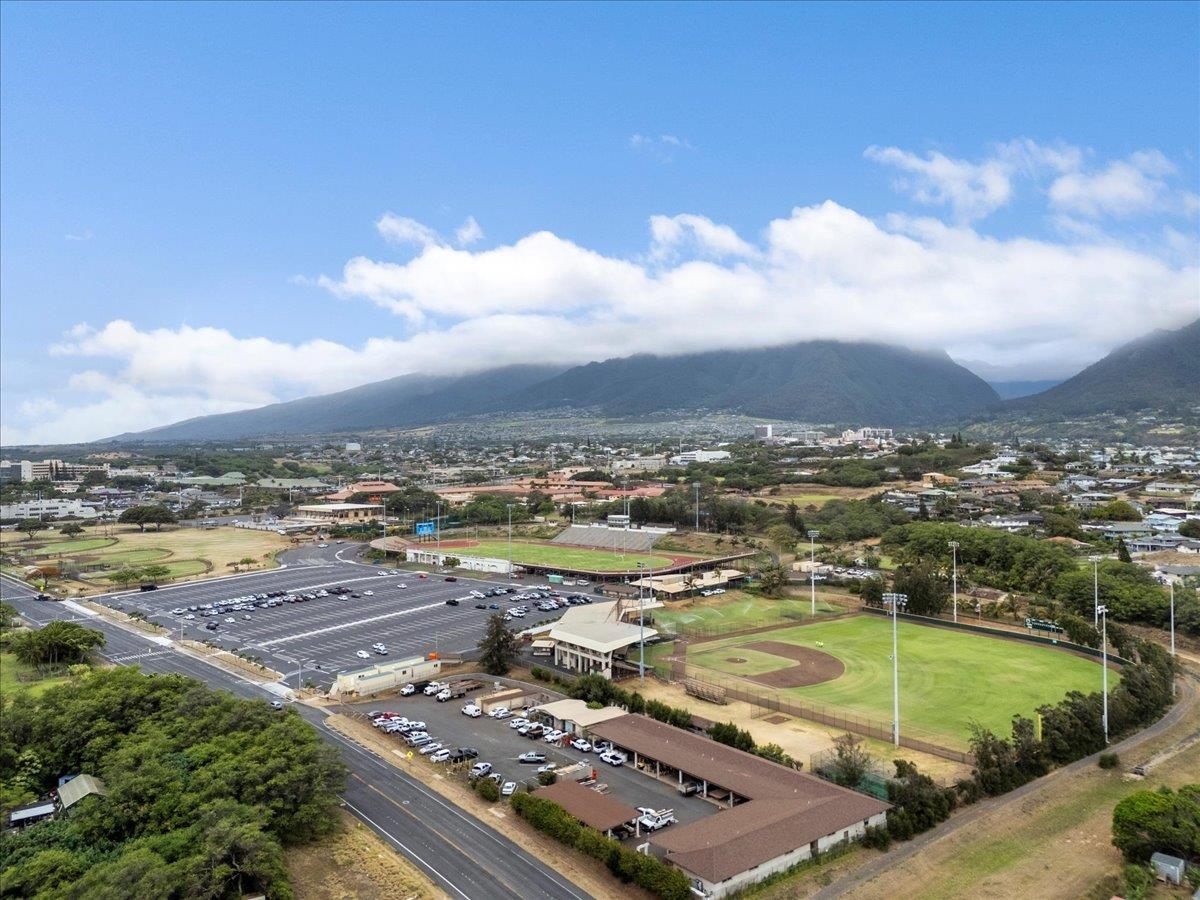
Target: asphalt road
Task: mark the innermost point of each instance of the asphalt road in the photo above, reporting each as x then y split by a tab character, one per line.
455	850
322	637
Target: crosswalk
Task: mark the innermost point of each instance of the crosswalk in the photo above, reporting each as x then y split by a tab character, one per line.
145	654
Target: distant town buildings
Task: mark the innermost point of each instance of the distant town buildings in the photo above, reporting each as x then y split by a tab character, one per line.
46	470
699	456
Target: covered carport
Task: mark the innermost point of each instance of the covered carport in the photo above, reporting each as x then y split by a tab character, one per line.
588	806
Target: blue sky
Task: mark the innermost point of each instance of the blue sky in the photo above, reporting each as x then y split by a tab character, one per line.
196	198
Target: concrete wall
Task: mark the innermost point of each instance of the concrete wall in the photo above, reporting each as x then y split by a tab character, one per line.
471	563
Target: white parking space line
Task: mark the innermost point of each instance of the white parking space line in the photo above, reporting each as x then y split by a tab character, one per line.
344	625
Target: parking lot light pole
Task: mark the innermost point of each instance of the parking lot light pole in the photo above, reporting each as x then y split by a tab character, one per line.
954	553
896	601
1103	610
812	566
509	507
1095	591
439	531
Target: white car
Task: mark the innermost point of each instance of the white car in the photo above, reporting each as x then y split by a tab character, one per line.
502	714
480	769
230	620
614	758
362	654
440	756
368	593
383	572
554	737
402	585
430	748
472	710
517	723
509	789
581	745
322	546
548	767
408	690
496	713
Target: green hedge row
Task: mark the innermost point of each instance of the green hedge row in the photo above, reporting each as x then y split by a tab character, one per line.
645	871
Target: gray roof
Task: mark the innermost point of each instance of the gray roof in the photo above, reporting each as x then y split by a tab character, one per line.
79	787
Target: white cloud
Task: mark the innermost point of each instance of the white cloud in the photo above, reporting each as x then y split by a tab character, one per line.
1030	308
402	230
661	147
971	190
469	232
85	235
1121	188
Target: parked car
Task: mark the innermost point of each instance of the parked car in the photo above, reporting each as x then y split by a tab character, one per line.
469	752
480	769
432	747
452	602
362	654
531	757
581	745
441	756
450	578
472	710
614	758
408	690
496	713
548	767
509	789
276	704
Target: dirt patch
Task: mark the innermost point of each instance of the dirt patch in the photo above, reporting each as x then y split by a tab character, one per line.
355	864
776	720
813	666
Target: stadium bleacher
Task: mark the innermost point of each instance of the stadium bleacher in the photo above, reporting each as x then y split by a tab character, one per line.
601	537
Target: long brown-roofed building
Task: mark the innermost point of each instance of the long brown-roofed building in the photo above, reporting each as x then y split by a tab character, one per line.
589	807
773	816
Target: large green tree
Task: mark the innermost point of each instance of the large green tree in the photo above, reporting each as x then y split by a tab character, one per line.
497	647
1149	821
55	644
150	514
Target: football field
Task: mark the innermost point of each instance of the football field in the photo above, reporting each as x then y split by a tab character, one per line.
541	553
947	678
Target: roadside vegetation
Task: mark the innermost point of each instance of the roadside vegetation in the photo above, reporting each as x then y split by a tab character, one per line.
204	790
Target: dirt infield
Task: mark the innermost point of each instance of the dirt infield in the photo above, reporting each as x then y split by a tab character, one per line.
814	666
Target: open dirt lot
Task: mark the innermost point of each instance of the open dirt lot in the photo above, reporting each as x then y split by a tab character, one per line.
355	865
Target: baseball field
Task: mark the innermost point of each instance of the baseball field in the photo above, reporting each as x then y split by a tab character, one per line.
948	679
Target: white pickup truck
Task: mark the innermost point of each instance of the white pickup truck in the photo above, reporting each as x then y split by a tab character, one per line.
654	819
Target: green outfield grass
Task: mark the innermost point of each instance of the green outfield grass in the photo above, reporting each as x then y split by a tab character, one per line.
13	675
739	609
76	546
947	678
545	554
131	557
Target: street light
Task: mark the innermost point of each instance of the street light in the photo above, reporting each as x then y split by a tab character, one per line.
954	553
895	601
1095	590
509	507
812	566
1103	612
696	486
439	531
1171	585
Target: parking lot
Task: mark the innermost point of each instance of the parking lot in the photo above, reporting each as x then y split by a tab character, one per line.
500	745
400	609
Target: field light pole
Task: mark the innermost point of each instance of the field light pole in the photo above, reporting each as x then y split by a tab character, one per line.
812	566
439	531
641	624
1103	610
896	601
954	553
509	507
696	486
1171	585
1095	591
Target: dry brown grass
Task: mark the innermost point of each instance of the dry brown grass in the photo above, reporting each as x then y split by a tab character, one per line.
355	864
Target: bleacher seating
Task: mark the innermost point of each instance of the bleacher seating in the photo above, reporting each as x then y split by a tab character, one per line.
600	537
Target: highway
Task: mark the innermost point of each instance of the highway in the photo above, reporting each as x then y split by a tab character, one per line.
455	850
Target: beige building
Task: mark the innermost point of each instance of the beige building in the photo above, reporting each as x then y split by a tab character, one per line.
593	638
340	513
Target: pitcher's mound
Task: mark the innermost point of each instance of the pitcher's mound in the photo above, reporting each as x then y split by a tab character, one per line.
812	666
735	659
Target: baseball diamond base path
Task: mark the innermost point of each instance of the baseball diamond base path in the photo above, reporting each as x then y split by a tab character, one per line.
814	666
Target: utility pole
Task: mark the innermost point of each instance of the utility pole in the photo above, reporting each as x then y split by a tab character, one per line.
896	601
812	566
1104	663
954	552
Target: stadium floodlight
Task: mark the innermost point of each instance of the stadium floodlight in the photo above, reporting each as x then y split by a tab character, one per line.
954	554
1095	590
895	601
641	625
812	566
696	485
1103	611
509	507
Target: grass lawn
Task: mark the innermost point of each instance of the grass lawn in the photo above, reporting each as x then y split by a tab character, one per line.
560	555
947	678
738	609
753	662
73	546
11	680
182	550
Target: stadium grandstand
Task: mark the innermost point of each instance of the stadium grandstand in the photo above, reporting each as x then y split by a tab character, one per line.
607	537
